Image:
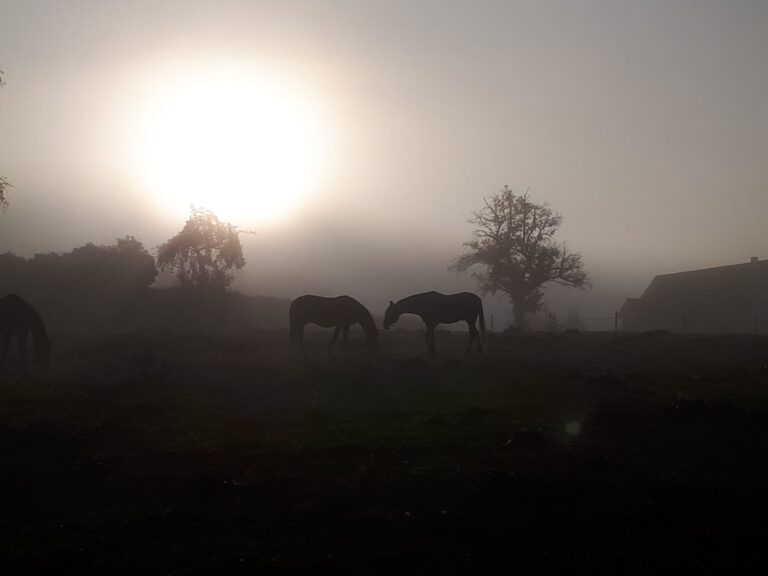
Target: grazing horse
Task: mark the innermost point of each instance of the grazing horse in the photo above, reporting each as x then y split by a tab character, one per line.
340	312
18	318
435	308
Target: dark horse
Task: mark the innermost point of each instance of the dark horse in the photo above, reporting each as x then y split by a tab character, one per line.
340	312
435	308
18	318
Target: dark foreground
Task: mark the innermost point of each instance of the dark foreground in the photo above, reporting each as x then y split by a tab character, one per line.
572	454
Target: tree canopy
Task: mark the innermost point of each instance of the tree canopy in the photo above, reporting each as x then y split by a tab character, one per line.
203	253
514	244
90	272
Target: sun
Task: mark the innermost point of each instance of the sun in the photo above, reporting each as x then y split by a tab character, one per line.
234	142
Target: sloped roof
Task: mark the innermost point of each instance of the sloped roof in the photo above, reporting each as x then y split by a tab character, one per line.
725	280
730	298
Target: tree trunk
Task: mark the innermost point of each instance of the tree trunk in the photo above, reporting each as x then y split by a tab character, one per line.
521	314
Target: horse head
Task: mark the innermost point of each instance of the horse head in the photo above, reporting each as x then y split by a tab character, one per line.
390	316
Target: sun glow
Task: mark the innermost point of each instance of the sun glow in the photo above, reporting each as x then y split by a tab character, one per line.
235	143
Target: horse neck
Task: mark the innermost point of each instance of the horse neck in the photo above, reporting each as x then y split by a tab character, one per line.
408	305
366	322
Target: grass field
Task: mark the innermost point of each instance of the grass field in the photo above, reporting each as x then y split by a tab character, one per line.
569	453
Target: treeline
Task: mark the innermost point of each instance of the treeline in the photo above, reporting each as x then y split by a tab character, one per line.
96	289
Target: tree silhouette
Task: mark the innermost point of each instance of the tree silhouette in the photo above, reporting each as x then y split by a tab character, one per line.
203	253
3	200
3	182
117	270
514	242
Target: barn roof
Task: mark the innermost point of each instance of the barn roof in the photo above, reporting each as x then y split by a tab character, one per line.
731	279
731	298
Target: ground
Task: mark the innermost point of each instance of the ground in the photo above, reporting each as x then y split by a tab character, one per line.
572	453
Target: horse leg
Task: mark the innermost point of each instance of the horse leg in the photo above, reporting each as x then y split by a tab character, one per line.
472	336
22	337
336	332
479	341
297	339
4	353
345	333
430	338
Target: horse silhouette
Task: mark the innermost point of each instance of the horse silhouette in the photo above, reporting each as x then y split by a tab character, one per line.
435	308
19	318
339	312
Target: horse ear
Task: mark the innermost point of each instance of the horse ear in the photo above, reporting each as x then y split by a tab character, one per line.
391	303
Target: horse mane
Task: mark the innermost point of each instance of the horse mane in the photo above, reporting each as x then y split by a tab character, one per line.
401	305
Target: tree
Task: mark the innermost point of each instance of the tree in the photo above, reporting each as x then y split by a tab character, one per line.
3	201
514	242
4	185
203	253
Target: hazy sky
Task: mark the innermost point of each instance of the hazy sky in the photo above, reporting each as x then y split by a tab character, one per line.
380	126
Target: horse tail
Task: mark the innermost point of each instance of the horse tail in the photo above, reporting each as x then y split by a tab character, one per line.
482	322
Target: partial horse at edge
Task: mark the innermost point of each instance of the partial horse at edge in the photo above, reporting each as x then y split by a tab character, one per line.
18	318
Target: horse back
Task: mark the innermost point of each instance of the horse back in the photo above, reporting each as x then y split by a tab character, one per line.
447	308
326	312
467	304
470	302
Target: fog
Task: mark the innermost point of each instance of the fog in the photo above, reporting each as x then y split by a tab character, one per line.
644	124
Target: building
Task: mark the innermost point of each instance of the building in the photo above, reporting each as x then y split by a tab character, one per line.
727	299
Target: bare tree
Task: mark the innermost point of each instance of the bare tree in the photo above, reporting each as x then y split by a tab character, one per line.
4	185
203	253
514	243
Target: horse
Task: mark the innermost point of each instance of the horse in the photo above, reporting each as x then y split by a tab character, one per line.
435	308
19	318
339	312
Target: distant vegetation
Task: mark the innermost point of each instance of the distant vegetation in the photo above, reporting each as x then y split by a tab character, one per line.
85	287
109	289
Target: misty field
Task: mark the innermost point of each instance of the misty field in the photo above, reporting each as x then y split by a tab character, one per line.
572	453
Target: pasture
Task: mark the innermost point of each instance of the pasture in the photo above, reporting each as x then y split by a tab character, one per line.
571	453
